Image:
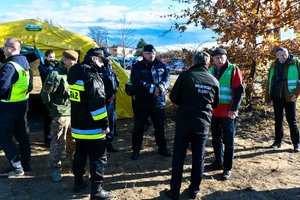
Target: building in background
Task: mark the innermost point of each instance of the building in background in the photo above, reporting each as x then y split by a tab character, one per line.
119	51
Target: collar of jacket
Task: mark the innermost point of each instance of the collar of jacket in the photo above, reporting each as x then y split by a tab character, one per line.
199	66
292	61
155	62
62	67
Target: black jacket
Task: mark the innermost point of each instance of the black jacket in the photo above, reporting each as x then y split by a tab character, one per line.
91	99
110	80
145	78
46	68
196	92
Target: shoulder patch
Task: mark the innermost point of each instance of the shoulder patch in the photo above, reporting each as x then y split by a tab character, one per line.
50	81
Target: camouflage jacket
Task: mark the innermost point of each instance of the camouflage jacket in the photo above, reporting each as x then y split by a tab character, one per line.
55	92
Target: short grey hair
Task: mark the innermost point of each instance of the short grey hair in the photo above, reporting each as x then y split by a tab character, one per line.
281	49
201	57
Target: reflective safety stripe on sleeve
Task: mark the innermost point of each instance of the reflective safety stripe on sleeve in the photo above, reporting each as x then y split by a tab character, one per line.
99	114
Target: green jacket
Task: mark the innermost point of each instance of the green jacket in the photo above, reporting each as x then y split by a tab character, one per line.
55	92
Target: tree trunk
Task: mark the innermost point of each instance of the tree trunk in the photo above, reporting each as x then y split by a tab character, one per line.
250	85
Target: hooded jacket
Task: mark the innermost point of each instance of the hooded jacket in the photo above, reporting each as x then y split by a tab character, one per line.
87	95
8	77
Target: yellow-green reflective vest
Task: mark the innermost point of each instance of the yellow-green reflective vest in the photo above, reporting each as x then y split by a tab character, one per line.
292	77
225	84
19	89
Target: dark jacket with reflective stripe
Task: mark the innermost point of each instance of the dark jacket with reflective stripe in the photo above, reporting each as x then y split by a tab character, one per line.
89	97
142	79
196	92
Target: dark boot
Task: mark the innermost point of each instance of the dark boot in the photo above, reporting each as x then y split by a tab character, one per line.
79	184
97	192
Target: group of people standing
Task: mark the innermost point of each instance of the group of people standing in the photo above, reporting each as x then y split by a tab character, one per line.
83	96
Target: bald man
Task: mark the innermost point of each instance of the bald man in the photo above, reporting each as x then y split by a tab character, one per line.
14	87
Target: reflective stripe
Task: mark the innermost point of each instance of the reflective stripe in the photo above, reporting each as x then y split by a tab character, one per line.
225	97
77	87
74	95
292	81
292	87
18	90
74	90
151	89
225	89
80	82
293	76
99	114
87	134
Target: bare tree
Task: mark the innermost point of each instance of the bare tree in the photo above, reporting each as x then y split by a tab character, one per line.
126	34
99	34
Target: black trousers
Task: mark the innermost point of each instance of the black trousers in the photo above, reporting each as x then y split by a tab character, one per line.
279	105
181	143
141	115
96	150
13	124
223	130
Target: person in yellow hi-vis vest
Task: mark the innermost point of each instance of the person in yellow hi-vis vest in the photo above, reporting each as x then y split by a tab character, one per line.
282	89
224	119
14	87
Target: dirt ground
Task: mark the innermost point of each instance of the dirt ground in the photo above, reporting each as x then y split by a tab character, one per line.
259	172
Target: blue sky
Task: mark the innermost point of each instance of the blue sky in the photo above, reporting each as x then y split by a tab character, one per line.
141	15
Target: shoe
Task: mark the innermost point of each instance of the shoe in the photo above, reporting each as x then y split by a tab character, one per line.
214	166
103	195
192	194
135	155
165	153
276	145
169	194
296	148
56	176
226	175
110	148
79	184
16	172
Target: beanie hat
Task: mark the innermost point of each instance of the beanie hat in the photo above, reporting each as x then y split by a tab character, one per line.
219	51
70	54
